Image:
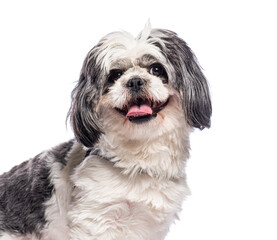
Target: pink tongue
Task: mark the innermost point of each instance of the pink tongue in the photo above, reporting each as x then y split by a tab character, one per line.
139	111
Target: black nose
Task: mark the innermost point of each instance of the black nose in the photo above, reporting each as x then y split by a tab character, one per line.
135	84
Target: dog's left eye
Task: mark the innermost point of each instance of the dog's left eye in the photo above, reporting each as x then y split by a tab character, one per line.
114	75
158	71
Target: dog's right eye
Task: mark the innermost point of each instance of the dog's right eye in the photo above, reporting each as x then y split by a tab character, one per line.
114	75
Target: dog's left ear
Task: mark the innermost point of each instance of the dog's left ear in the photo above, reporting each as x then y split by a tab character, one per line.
189	79
196	94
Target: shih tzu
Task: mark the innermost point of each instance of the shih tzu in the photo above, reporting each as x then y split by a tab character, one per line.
122	177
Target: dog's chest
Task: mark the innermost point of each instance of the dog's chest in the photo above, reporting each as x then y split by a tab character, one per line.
107	203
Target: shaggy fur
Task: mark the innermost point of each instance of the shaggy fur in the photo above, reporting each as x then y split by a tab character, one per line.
122	177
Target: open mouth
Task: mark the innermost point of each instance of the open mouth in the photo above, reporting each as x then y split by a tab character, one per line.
140	110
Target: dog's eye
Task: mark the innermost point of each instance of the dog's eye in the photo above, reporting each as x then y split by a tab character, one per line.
158	71
114	75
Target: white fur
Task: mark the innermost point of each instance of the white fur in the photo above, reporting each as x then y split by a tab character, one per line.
58	206
111	203
122	45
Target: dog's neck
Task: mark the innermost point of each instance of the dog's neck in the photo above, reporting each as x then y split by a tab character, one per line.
162	157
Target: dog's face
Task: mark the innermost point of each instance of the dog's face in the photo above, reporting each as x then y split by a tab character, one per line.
139	88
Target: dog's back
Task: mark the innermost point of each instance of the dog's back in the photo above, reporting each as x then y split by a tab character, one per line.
25	189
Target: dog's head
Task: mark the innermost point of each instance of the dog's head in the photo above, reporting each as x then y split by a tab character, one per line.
139	87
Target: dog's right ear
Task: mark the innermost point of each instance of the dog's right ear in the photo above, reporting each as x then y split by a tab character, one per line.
85	97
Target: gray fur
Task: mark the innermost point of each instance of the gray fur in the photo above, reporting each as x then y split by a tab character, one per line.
25	189
85	96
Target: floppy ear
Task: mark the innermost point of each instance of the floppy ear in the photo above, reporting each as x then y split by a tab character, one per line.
85	97
189	79
196	96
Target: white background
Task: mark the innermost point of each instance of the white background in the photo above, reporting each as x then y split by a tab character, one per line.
232	171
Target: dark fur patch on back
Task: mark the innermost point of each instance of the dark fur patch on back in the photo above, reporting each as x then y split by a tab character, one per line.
23	191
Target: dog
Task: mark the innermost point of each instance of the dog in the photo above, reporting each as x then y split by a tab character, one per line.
122	176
